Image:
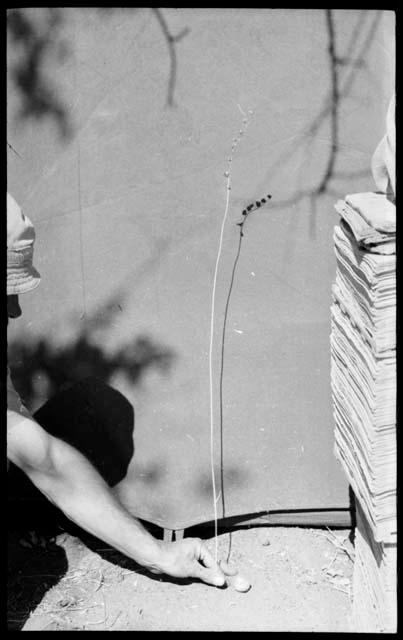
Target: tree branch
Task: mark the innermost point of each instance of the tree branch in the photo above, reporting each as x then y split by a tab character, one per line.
10	146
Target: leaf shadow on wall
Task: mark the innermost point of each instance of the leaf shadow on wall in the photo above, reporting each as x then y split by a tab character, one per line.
41	368
74	400
344	69
38	38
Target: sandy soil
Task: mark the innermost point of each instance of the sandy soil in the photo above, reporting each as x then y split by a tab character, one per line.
301	581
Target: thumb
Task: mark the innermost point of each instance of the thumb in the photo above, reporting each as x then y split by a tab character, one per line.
210	576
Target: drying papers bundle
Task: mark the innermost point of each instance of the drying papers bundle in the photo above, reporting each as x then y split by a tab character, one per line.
374	581
363	377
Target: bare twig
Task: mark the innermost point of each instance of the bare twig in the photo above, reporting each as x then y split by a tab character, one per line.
97	621
327	567
103	620
347	592
68	608
112	624
100	581
341	544
12	148
336	542
59	620
47	624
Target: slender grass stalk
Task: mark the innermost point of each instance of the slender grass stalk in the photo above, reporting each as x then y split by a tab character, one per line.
211	366
245	213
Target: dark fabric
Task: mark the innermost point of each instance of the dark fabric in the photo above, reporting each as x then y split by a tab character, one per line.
94	418
97	420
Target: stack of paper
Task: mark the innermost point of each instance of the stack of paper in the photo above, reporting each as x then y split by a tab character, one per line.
374	581
366	288
363	376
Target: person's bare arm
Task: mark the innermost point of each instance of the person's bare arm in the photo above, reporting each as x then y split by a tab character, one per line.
70	481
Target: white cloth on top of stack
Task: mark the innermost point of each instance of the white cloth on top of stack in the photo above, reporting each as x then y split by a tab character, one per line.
372	220
383	162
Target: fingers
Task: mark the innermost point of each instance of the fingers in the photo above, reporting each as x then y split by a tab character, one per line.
206	557
201	564
207	569
214	577
228	569
208	561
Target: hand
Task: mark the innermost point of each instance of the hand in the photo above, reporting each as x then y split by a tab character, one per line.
189	558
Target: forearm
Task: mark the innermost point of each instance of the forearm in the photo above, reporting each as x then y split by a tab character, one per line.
73	484
69	480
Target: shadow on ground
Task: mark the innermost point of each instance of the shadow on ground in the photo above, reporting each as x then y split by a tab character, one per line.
30	575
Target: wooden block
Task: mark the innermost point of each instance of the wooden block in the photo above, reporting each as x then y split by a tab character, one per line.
179	534
168	534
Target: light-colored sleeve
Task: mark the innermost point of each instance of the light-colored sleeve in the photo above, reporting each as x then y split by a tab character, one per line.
383	163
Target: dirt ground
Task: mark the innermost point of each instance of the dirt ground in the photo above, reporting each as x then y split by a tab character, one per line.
301	581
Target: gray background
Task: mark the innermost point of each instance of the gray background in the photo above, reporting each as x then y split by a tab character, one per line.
128	192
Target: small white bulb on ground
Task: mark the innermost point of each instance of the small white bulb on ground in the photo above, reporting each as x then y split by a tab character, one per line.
241	584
